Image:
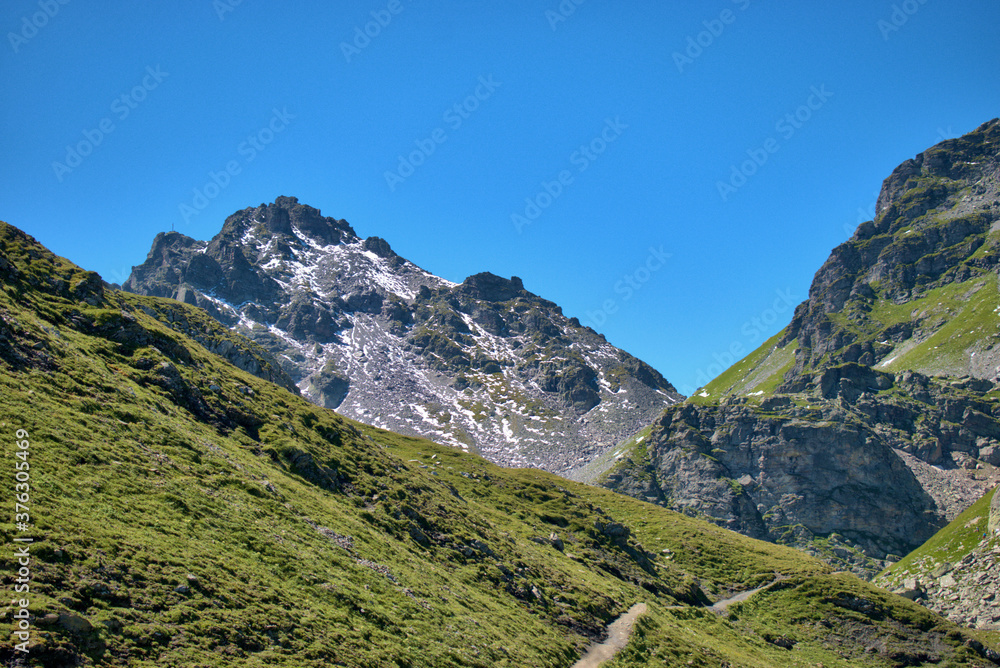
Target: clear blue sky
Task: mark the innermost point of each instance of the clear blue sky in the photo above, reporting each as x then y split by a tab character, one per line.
269	91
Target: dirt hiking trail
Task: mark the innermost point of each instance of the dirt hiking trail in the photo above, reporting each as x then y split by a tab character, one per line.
618	635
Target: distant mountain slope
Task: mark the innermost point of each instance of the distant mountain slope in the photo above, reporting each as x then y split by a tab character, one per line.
187	513
872	419
485	365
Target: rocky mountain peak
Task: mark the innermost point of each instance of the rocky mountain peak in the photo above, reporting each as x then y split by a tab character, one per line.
484	365
380	247
937	215
282	219
872	420
491	288
960	158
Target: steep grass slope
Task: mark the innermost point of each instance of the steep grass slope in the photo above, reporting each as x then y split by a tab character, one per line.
955	572
187	513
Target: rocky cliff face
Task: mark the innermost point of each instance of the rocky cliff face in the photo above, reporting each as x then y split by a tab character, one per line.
872	419
858	478
483	365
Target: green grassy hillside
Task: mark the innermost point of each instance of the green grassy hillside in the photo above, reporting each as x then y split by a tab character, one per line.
949	545
957	322
187	513
756	375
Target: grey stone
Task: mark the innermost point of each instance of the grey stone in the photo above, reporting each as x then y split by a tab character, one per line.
943	569
74	623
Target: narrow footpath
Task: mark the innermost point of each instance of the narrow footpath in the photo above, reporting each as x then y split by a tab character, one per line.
720	607
619	632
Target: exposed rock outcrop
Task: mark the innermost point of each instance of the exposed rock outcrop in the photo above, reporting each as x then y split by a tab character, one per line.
966	592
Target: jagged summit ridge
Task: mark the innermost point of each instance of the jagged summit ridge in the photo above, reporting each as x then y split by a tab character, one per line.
960	158
484	365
